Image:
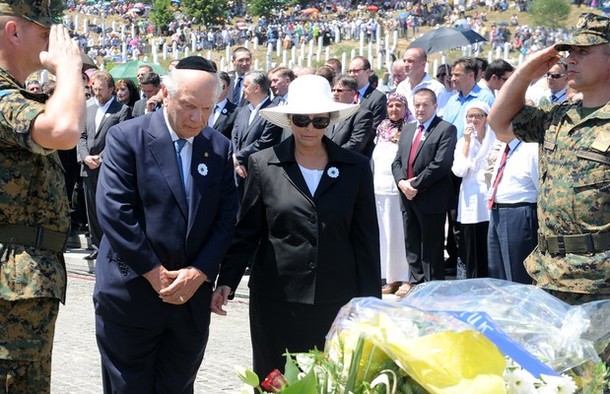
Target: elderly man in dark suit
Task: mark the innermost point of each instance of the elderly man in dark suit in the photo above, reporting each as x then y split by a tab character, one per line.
421	169
368	97
168	213
223	116
252	133
107	112
355	133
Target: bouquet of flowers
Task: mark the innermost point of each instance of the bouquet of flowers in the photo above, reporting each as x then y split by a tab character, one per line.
469	336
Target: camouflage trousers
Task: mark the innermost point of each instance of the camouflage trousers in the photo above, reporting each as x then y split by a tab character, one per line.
26	342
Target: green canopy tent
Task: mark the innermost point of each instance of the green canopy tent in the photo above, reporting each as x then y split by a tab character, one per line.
129	70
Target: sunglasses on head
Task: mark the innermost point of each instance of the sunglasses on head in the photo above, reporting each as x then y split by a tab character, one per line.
319	122
554	76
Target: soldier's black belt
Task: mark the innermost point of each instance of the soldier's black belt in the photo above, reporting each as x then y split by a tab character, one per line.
37	237
578	244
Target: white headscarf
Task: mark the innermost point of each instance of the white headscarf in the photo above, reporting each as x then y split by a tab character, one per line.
490	136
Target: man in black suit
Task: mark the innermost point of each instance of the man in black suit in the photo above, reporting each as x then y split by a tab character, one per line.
150	84
368	97
242	61
422	172
252	133
356	133
100	117
224	113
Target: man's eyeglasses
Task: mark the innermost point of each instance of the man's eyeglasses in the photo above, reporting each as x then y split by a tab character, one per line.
341	90
355	70
554	76
319	122
475	116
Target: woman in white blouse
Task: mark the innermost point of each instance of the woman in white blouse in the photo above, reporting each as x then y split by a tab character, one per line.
469	163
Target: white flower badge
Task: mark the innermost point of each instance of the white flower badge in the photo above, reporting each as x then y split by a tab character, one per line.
333	172
202	169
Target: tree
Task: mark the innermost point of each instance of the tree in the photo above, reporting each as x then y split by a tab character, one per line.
207	12
161	14
550	13
266	8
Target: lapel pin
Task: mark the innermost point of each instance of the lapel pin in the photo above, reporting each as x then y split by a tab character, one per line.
206	154
333	172
202	169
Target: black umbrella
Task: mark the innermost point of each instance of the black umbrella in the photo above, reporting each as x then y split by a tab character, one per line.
445	38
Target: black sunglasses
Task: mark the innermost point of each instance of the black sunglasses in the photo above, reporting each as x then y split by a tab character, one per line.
554	76
319	122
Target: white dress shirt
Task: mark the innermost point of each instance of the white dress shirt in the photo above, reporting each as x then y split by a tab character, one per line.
519	181
254	110
407	90
101	111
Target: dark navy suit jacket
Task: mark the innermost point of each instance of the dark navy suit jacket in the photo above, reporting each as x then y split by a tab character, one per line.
142	210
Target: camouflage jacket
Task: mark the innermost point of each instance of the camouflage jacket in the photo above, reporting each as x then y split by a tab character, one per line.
574	192
32	193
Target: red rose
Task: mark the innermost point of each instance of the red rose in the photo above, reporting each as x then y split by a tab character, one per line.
274	382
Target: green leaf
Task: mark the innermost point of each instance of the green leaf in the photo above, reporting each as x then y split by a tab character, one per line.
307	385
247	376
354	365
291	369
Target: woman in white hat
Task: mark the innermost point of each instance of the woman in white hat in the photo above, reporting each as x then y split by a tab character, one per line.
469	163
308	223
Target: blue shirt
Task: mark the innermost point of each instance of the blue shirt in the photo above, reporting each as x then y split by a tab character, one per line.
455	110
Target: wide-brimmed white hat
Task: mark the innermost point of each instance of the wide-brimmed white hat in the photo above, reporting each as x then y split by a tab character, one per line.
307	95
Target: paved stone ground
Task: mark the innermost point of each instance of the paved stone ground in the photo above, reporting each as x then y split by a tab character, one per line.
76	363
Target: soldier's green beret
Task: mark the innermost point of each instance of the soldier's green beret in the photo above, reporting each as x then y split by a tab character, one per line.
591	29
43	12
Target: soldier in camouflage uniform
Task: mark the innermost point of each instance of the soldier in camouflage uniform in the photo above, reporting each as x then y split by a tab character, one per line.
572	260
34	217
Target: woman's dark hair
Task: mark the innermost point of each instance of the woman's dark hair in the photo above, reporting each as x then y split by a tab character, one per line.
134	93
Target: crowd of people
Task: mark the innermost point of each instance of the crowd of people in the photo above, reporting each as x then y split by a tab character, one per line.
334	22
321	185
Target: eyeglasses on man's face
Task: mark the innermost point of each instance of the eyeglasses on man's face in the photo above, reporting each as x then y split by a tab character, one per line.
475	116
319	122
355	70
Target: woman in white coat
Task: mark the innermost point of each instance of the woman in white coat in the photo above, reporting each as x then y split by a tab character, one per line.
469	163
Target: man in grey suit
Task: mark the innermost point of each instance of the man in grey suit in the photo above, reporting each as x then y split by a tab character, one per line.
252	133
242	61
356	133
100	117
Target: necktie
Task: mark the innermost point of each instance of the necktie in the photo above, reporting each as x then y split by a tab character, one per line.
413	152
237	91
501	167
212	119
553	98
179	144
